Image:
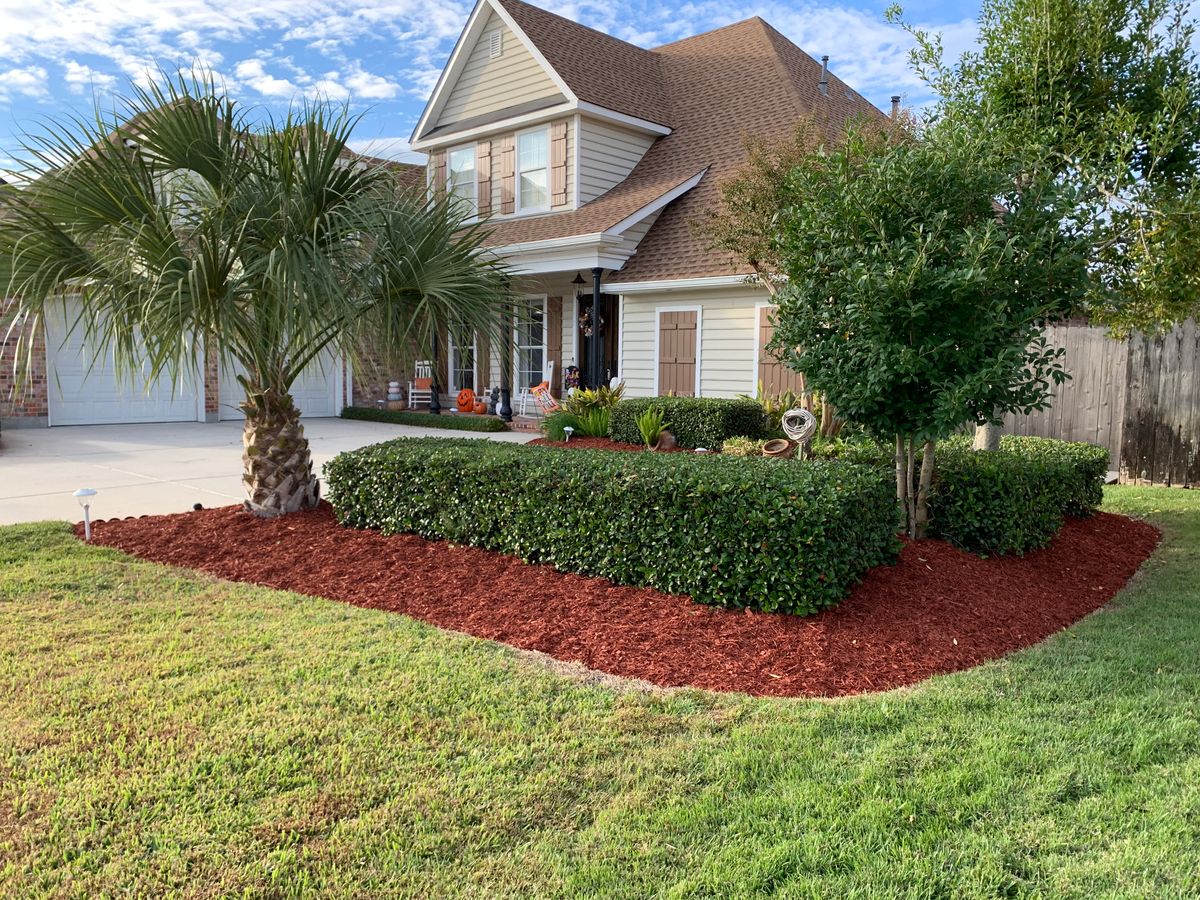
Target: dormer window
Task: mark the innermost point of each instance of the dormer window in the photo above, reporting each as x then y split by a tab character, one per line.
533	171
460	176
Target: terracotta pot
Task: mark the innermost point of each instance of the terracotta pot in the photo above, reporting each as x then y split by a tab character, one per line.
780	448
395	404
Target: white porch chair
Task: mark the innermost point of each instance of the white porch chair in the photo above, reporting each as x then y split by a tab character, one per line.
528	393
420	389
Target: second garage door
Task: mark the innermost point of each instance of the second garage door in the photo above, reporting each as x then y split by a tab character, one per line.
318	390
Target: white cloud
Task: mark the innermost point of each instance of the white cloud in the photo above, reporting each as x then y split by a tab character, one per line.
28	82
251	73
81	78
387	148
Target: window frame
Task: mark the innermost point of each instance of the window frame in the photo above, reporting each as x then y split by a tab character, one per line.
519	207
474	198
452	368
535	302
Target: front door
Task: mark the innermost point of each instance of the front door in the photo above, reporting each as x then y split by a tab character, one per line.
609	336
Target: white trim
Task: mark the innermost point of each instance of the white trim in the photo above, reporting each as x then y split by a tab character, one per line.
658	311
516	356
656	204
683	284
474	198
602	112
348	387
518	209
578	128
503	126
450	363
620	337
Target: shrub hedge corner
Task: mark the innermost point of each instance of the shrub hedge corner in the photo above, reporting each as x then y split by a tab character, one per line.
695	421
729	532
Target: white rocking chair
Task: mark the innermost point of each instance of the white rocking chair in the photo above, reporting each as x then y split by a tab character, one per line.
420	389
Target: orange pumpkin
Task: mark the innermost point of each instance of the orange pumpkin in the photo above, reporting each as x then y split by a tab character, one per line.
480	408
466	400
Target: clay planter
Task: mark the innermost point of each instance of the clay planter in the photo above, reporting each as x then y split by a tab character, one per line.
780	448
395	404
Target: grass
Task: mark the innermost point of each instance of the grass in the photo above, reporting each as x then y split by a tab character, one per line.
165	733
450	420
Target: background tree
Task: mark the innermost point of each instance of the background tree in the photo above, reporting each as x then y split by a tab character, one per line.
180	226
1106	95
918	276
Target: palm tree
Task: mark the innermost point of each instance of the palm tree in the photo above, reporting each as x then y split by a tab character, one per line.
185	227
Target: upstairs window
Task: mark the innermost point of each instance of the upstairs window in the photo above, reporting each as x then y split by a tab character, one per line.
533	171
460	176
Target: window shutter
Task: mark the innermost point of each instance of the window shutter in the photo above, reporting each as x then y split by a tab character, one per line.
508	174
483	172
437	160
554	336
558	164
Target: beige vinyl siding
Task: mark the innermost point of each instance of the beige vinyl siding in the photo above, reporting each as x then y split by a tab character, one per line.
728	334
489	85
607	154
495	139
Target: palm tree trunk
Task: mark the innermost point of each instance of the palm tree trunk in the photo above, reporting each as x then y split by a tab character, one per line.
277	464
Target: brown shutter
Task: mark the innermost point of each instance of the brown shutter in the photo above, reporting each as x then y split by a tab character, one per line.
774	375
554	307
677	353
483	375
558	164
483	174
437	160
508	174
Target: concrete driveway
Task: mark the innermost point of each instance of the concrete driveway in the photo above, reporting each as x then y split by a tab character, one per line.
149	469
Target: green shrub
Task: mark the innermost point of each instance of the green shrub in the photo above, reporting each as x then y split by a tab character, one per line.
858	449
555	422
651	425
594	422
695	421
454	421
581	400
743	446
1013	500
730	532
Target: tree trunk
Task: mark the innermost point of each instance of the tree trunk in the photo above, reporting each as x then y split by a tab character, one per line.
902	482
277	465
987	437
928	465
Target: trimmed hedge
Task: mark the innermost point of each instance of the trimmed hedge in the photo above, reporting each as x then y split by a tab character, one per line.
1014	499
453	421
730	532
695	421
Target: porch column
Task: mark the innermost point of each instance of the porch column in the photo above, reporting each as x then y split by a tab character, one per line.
504	410
596	344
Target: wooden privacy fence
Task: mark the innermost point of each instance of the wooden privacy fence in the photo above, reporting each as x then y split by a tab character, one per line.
1140	398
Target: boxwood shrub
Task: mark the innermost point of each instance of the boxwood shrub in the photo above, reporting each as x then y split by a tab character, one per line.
730	532
1013	500
447	420
695	421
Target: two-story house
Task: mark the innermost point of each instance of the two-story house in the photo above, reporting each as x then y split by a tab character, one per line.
592	159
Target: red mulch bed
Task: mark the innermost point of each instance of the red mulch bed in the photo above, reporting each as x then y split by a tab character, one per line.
937	610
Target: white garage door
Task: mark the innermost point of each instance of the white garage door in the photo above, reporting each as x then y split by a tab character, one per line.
318	390
84	389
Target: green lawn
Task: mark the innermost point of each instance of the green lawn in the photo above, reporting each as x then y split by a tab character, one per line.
163	732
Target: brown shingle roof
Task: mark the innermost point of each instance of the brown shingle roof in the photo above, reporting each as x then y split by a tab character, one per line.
719	87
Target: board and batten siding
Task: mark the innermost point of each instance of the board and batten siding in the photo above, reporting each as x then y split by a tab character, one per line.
728	336
607	154
489	85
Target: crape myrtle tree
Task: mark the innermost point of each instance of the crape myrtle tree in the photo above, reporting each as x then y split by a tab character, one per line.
184	222
919	273
1106	95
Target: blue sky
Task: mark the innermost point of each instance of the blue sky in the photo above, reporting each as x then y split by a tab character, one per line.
381	56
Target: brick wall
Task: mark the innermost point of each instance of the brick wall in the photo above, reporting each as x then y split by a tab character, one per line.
28	399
